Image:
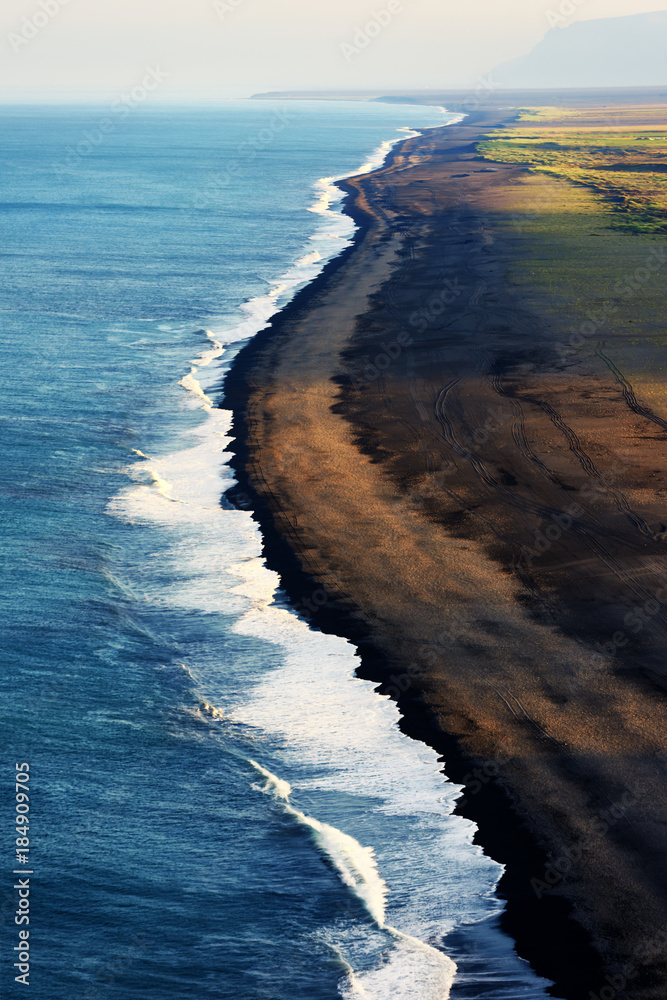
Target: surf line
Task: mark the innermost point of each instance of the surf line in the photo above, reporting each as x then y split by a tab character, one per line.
357	869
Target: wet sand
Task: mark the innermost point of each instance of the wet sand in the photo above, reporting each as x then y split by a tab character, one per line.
441	477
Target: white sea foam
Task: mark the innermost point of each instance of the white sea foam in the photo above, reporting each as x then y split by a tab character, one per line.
314	257
333	235
355	865
411	968
328	195
184	491
162	486
336	734
327	192
277	787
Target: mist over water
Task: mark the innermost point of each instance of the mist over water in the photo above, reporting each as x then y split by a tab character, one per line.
221	808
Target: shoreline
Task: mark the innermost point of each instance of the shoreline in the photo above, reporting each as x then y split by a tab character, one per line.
543	929
500	830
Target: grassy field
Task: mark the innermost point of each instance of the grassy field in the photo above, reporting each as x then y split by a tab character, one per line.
624	162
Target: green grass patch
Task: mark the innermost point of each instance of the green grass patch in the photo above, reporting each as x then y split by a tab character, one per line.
628	168
546	114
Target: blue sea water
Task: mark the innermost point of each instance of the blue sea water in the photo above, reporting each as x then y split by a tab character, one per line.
218	807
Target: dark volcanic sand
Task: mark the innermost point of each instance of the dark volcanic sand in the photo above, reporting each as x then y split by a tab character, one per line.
483	512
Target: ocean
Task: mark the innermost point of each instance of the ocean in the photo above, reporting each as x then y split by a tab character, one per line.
218	806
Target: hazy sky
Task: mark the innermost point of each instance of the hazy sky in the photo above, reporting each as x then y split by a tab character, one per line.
96	49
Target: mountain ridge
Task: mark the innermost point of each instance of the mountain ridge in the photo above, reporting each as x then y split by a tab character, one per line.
629	51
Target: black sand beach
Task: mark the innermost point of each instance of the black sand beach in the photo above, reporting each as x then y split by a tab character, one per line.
443	478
